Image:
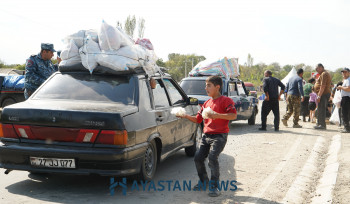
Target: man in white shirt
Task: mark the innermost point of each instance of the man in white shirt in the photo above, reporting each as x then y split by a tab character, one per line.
345	99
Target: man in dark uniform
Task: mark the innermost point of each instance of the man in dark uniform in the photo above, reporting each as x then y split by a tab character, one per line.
271	101
38	68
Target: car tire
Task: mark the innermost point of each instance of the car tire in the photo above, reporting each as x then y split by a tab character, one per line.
7	102
149	162
251	120
191	151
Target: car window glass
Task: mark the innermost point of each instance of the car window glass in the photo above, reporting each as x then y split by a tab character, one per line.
159	95
144	93
84	86
175	96
232	89
240	88
194	87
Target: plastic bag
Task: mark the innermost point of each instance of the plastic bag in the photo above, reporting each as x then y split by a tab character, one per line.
109	37
79	37
337	98
116	62
70	51
335	116
88	54
126	40
71	61
178	111
207	111
144	42
135	52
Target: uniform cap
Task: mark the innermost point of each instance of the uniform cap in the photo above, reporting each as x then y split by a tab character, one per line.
47	46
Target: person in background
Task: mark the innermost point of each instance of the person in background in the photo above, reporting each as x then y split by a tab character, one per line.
323	90
312	104
345	99
305	104
294	90
38	68
271	101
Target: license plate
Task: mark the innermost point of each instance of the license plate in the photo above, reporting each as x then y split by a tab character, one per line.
52	162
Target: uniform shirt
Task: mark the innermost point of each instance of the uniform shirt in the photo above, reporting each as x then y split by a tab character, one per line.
222	104
346	83
295	86
37	71
271	85
324	79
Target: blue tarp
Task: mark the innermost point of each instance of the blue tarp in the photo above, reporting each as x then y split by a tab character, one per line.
13	82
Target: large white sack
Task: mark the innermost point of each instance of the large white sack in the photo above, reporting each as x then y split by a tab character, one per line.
109	37
71	61
116	62
71	50
88	53
135	52
125	38
79	37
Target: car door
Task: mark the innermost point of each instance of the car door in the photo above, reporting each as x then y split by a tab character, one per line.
166	122
246	108
185	128
233	94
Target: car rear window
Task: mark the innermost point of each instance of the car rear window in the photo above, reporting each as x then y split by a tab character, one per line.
194	87
81	86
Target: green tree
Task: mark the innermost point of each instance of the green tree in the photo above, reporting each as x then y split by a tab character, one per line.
287	68
250	60
130	25
141	27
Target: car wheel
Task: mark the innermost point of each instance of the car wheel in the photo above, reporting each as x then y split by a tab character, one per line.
251	120
149	162
191	151
7	102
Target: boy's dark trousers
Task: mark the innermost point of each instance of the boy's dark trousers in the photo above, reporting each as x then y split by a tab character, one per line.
267	106
217	142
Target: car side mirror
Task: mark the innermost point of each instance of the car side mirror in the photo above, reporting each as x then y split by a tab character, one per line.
193	101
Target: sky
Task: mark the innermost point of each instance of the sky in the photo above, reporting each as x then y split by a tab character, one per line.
283	31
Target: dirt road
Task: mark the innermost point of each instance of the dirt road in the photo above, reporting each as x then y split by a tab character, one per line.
290	166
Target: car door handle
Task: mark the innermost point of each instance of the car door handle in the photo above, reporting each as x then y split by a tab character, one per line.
160	119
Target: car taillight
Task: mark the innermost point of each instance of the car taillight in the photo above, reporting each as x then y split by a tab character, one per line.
7	131
24	131
87	135
114	137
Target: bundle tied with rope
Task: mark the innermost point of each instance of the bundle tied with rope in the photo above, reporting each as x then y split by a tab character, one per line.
109	47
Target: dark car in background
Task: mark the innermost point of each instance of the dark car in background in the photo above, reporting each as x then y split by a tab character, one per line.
11	88
245	104
110	125
250	88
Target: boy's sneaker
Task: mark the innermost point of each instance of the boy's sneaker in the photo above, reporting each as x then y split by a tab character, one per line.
214	192
201	187
284	121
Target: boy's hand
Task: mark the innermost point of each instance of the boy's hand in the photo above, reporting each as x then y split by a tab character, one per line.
212	115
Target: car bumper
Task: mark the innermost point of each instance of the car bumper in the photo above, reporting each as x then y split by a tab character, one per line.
88	160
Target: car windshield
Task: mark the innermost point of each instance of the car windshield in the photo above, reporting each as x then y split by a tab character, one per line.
81	87
250	88
194	87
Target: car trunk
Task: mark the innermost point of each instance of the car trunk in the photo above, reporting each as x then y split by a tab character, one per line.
64	121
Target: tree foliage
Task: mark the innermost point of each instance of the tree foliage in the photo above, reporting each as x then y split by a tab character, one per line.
130	25
141	27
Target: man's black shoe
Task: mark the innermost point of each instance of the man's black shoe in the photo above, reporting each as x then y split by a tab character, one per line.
319	127
201	187
263	129
277	129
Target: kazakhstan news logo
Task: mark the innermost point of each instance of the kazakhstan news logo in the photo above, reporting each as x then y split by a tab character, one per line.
168	185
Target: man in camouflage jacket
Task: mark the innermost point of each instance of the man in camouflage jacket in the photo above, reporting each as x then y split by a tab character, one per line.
38	68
